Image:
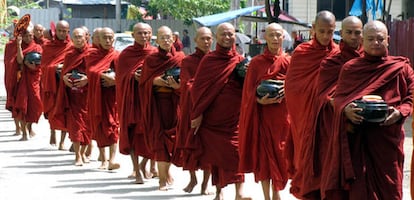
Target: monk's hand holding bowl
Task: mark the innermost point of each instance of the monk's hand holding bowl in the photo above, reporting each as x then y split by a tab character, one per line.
393	117
108	79
81	82
68	82
172	83
265	100
159	81
351	112
31	66
137	74
195	123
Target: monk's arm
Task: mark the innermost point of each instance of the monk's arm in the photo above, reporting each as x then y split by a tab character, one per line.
407	100
19	57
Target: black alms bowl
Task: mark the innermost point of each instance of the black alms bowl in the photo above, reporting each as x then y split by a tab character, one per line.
241	67
174	72
271	87
373	111
33	57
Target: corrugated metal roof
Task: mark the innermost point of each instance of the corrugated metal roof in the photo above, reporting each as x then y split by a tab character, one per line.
91	2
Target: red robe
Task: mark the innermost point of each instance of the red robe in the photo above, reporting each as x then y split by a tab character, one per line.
328	77
131	135
27	105
216	94
181	157
71	105
369	160
101	100
262	137
159	109
40	41
54	52
11	70
300	89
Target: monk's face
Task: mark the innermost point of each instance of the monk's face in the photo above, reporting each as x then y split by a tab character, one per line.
204	40
375	41
106	39
274	39
62	31
226	36
165	39
79	38
27	37
38	31
324	31
142	34
351	34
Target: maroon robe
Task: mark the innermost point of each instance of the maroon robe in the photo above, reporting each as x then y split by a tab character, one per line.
368	160
181	157
11	73
71	103
54	52
216	94
28	105
262	138
328	77
131	135
300	89
101	100
159	105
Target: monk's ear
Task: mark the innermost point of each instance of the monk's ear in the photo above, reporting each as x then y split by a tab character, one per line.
340	33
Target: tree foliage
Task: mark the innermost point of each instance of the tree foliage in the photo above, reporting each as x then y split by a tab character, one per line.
188	9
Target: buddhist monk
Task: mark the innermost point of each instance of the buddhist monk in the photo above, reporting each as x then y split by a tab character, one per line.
39	38
300	88
71	99
54	52
216	96
95	37
182	157
12	75
27	106
159	96
263	137
351	47
367	157
131	59
100	64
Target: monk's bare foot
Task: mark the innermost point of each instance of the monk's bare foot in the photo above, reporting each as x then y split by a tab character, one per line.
62	147
243	198
17	133
133	175
78	162
32	134
204	190
71	149
145	172
170	180
139	180
104	165
219	196
113	166
24	138
154	173
52	140
189	188
85	159
163	186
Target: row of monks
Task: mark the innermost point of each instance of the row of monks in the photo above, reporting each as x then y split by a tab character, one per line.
210	118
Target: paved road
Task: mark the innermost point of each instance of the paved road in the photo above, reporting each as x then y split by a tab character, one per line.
36	171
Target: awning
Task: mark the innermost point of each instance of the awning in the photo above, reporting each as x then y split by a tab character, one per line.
216	19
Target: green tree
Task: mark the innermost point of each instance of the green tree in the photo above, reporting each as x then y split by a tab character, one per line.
188	9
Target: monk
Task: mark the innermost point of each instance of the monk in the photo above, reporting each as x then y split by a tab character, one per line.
131	59
159	103
262	138
300	88
367	157
95	37
71	99
27	106
216	96
39	38
100	64
12	75
181	157
350	47
54	52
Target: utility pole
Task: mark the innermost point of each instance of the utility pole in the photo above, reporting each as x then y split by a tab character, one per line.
118	15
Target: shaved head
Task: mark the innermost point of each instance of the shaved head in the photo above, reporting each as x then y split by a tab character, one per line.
62	29
273	26
376	38
351	31
142	33
165	38
274	36
226	35
203	39
324	27
106	38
